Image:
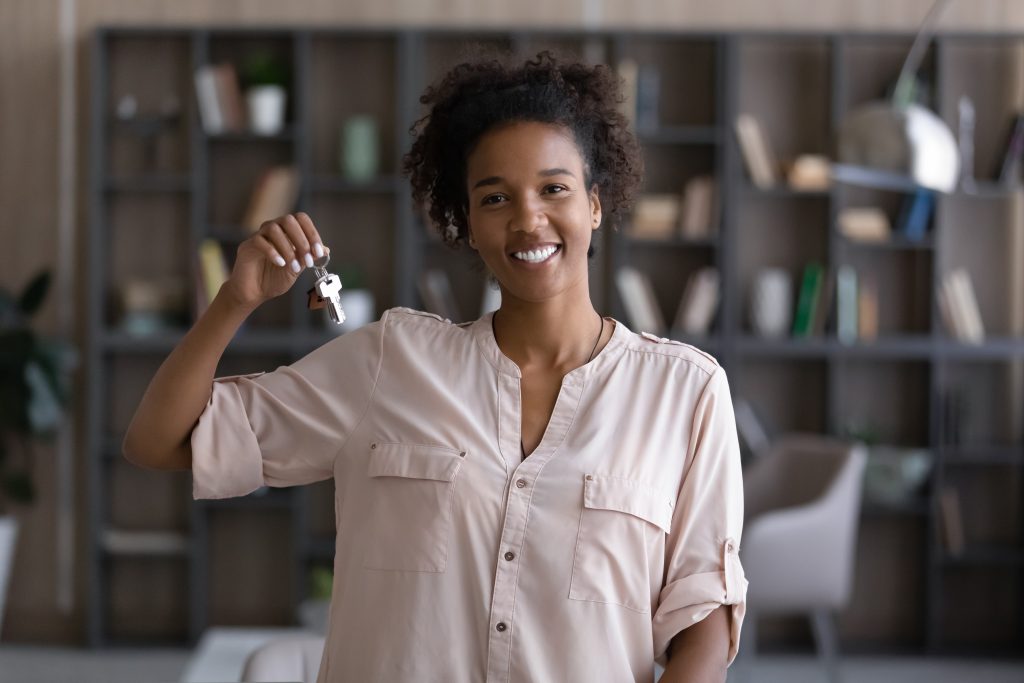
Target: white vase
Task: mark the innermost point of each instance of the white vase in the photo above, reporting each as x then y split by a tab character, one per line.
8	542
266	109
771	303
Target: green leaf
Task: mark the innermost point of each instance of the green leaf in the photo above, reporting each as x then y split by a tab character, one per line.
16	348
32	298
18	487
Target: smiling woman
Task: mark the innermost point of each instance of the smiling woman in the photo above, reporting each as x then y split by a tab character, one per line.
540	494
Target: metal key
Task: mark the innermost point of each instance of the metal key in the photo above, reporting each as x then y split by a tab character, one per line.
327	289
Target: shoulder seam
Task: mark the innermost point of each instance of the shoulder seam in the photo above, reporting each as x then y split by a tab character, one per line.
656	352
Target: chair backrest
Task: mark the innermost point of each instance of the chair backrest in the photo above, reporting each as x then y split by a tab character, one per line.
293	659
802	503
798	469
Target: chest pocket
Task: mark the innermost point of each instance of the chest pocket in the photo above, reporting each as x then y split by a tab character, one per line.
412	487
621	519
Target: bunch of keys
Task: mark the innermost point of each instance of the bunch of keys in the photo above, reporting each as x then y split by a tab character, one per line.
326	291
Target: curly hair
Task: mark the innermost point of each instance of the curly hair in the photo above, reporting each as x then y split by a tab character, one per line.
480	94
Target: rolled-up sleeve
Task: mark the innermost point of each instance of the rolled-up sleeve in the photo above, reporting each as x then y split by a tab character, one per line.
702	566
284	428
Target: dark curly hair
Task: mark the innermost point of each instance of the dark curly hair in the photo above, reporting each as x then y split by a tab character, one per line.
485	92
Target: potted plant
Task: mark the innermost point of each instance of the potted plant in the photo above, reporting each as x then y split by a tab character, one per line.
265	79
34	389
314	610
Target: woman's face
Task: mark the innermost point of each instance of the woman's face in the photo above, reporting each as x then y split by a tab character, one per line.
525	183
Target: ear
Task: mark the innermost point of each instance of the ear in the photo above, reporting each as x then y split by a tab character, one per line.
595	207
469	232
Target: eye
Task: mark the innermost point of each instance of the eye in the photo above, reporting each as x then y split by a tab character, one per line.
556	189
492	199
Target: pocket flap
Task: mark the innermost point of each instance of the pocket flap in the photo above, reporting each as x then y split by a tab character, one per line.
629	496
415	461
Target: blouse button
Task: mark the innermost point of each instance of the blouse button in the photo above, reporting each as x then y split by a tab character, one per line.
501	626
590	477
521	483
510	556
729	546
372	446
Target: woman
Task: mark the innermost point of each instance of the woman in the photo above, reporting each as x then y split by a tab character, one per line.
538	495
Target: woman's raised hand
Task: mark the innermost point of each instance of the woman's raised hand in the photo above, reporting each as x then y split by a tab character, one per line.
268	263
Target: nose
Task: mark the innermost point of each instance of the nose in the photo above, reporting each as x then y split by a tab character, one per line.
528	215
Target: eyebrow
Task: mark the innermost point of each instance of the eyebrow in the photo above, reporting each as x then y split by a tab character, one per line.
494	180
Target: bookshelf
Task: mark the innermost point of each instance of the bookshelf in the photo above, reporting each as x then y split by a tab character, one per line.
159	184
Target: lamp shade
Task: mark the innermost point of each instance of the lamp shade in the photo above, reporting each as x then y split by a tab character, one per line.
899	148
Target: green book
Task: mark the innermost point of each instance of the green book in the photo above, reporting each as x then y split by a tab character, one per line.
807	302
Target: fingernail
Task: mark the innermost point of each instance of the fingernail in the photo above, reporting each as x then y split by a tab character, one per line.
309	261
296	267
278	260
319	250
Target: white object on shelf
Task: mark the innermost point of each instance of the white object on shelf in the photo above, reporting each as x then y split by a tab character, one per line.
222	651
8	542
266	109
771	303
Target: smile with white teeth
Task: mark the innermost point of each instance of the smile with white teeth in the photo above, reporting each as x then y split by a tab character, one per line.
536	255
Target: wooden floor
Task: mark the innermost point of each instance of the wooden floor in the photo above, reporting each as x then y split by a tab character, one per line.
22	664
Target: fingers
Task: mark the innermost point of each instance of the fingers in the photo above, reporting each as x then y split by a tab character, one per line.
312	236
294	241
268	248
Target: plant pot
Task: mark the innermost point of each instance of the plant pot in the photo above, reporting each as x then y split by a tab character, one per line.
8	542
266	109
313	615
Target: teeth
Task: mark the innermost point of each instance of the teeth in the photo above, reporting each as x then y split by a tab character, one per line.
535	255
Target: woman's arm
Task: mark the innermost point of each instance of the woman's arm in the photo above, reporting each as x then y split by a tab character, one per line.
699	653
266	266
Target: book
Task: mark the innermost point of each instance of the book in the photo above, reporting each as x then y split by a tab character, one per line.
1008	170
846	305
807	300
826	303
438	297
273	195
916	214
638	299
229	97
757	155
655	216
699	302
210	115
952	311
867	310
966	303
699	215
864	224
213	272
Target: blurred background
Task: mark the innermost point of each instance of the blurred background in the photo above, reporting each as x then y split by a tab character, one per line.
831	208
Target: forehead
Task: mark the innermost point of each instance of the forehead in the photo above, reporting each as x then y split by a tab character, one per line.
525	146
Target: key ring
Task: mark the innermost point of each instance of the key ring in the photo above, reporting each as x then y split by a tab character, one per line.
321	268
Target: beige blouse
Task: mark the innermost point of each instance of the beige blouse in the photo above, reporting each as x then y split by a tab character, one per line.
458	560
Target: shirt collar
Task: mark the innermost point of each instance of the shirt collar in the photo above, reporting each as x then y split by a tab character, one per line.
484	336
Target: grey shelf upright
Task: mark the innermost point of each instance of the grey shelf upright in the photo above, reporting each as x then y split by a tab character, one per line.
814	382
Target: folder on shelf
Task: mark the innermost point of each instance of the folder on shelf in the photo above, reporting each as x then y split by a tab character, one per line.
699	302
699	214
638	299
212	272
757	155
273	195
807	300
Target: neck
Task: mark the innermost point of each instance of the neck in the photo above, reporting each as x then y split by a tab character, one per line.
550	335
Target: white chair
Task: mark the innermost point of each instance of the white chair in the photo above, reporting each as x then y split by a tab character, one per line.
295	659
802	504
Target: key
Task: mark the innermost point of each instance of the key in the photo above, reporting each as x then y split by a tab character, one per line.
326	290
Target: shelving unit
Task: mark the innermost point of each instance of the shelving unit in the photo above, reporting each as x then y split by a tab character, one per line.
909	594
